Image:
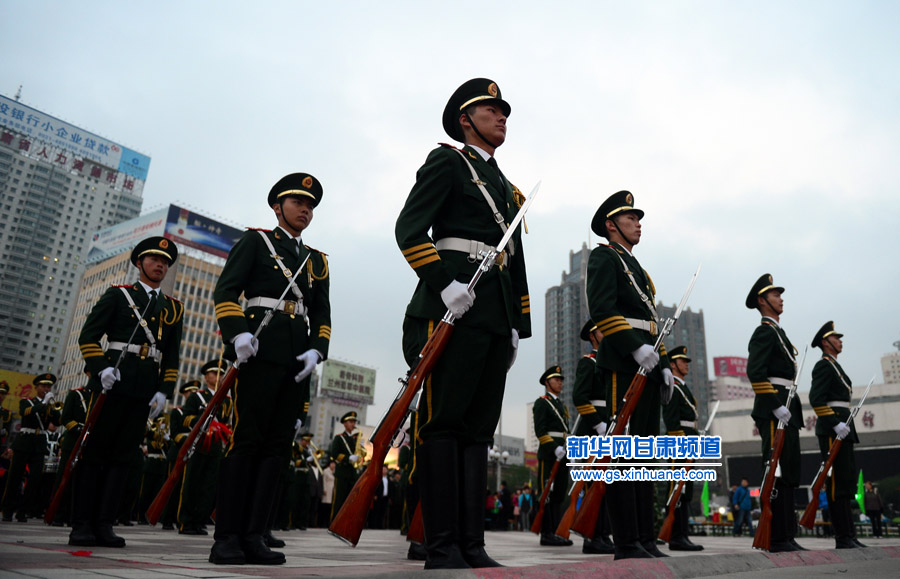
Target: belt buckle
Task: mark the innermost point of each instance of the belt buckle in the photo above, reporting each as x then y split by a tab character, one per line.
145	351
290	307
501	259
653	328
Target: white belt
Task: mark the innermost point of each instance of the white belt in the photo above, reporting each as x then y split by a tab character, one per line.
556	434
689	423
30	431
145	351
156	455
600	403
646	325
838	404
781	382
286	306
470	246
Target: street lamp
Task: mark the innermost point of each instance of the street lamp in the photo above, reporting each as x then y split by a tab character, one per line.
498	458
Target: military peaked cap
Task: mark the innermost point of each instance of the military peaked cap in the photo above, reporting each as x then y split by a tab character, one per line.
4	387
586	330
349	416
45	379
763	284
679	352
189	387
551	372
215	366
824	332
296	185
155	246
615	204
475	91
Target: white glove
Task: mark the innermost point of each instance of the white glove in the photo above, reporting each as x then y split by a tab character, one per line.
667	388
48	398
157	404
298	424
308	359
560	452
782	414
166	437
601	429
514	343
354	457
646	357
245	346
108	377
842	430
457	298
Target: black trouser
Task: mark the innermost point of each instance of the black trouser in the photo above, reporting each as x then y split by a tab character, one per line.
14	477
198	488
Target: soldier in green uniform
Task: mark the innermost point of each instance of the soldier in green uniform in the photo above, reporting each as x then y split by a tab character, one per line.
74	413
621	297
589	399
830	398
28	450
344	452
138	388
303	463
680	416
178	432
551	426
156	466
272	388
5	416
771	368
460	204
198	484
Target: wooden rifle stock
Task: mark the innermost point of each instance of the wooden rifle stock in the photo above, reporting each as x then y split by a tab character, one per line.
539	518
347	525
74	457
159	503
665	532
585	521
763	537
416	532
809	515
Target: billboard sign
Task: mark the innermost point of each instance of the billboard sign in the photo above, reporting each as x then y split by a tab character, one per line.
730	366
348	381
124	236
41	130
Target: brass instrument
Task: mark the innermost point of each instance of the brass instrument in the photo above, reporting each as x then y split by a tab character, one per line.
317	454
360	450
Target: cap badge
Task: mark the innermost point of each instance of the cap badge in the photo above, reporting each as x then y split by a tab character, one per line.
629	199
492	89
770	279
307	182
164	243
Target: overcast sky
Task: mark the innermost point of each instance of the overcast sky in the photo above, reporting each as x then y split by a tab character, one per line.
757	136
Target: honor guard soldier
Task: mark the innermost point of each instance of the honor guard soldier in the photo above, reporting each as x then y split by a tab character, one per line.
28	451
74	413
198	484
551	426
5	415
275	366
771	368
460	205
345	451
589	399
830	398
156	465
621	297
304	464
177	433
138	372
680	417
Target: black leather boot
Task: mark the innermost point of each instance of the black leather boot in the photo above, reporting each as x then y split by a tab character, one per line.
599	545
113	485
621	504
552	516
262	499
473	464
232	494
680	540
438	463
643	494
84	490
271	541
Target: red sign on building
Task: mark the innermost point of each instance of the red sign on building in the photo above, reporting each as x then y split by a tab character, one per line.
730	366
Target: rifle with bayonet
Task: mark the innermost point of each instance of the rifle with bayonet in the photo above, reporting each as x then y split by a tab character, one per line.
809	515
665	532
763	537
545	494
348	523
203	423
89	423
583	522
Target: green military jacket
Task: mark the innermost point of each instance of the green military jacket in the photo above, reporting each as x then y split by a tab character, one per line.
177	429
216	437
35	415
445	203
589	395
680	414
341	448
113	316
830	384
611	299
551	424
74	413
301	464
771	355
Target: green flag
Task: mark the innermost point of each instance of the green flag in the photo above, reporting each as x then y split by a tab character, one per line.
861	493
704	498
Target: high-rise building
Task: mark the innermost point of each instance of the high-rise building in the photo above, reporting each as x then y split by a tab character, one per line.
890	366
58	185
567	311
731	380
203	244
690	332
